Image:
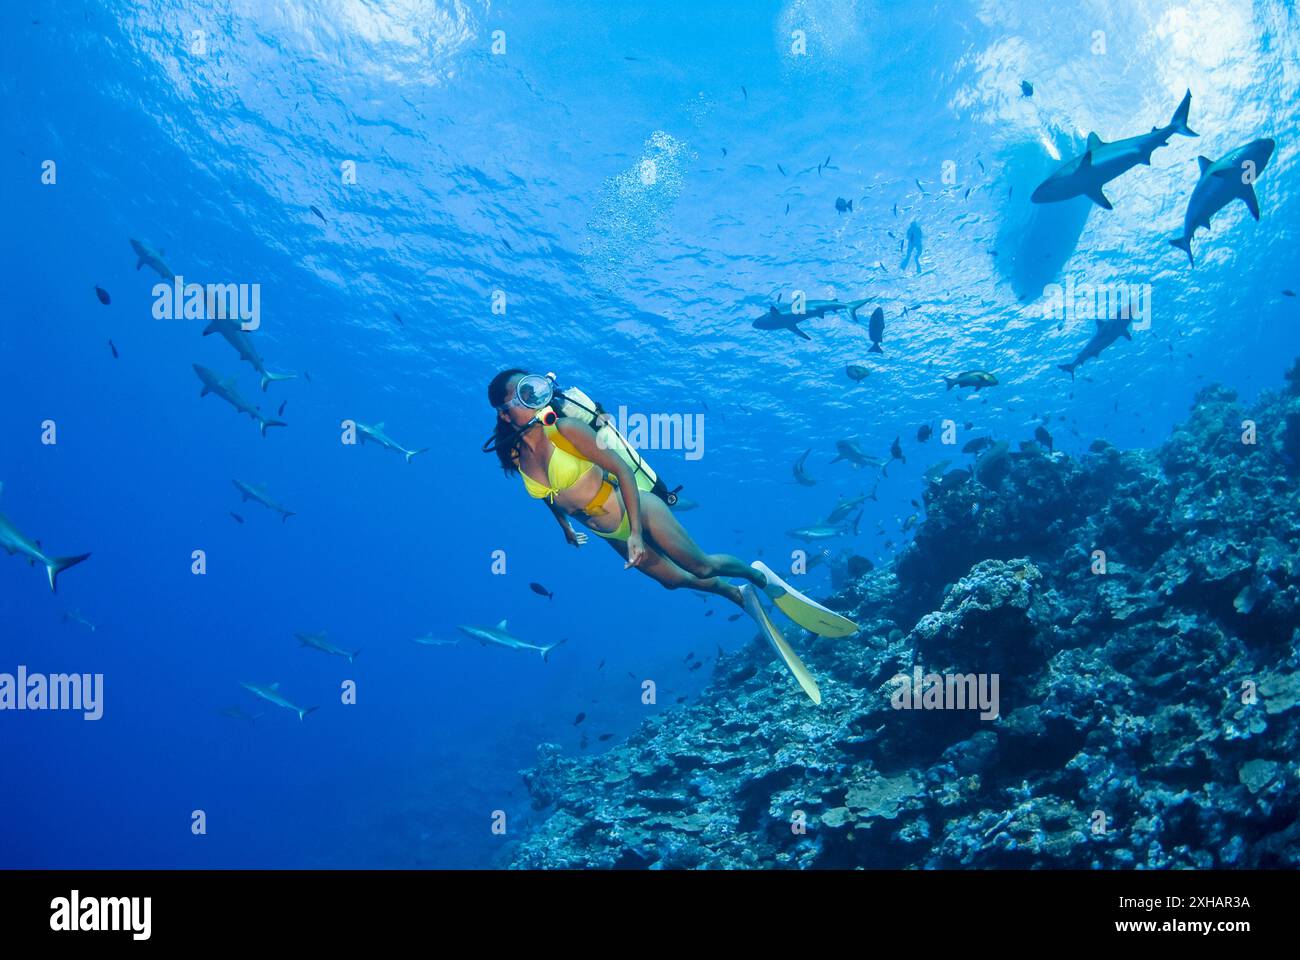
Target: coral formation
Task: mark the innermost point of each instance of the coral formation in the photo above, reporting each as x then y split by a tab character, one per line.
1141	611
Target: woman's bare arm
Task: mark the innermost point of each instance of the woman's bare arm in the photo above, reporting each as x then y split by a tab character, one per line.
572	536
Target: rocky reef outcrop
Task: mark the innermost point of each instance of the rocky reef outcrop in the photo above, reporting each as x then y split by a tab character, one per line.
1140	611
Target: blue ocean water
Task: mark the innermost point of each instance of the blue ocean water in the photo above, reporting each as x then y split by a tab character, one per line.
501	151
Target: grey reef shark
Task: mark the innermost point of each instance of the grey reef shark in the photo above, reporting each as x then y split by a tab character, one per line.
13	542
1101	162
776	319
227	391
235	335
1222	181
1107	332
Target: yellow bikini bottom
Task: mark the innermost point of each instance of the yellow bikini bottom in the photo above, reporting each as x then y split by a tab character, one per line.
596	506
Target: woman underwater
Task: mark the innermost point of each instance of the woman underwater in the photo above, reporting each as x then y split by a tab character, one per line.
568	454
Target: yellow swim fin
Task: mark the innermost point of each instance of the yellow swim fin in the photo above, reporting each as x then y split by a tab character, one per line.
788	656
806	612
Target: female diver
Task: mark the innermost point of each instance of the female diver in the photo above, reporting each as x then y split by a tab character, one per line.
582	467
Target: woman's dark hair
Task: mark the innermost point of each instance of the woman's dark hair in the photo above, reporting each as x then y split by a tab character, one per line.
505	437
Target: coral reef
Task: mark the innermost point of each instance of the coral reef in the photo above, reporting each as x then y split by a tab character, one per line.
1140	610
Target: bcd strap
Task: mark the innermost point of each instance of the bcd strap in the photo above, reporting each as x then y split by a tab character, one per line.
659	488
563	442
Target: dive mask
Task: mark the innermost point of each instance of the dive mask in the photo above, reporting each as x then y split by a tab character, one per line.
533	392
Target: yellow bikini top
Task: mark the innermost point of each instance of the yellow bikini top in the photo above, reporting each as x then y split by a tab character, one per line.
566	468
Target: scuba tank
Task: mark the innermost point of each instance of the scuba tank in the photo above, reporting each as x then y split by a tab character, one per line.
572	402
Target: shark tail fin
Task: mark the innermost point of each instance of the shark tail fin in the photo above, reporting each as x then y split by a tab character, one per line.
303	713
271	423
875	348
268	378
56	566
1068	368
352	657
413	453
286	515
1179	121
547	650
1184	244
951	381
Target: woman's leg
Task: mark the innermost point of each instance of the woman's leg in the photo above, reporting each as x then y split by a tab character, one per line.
672	577
673	540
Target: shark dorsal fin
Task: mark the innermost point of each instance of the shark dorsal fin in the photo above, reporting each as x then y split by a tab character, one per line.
774	312
1094	141
379	425
1205	163
501	625
276	685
